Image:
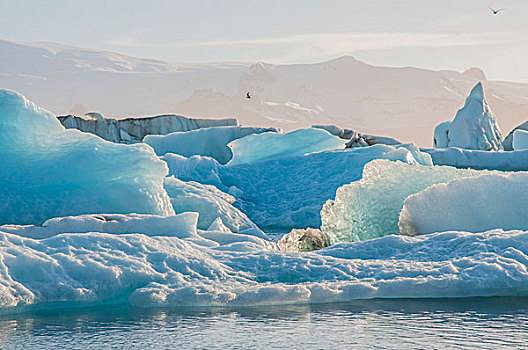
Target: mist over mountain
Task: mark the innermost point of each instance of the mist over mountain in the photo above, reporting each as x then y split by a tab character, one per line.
406	103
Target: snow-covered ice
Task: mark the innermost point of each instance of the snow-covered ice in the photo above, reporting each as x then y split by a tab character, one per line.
289	192
211	142
474	126
160	271
370	207
474	204
48	171
266	146
207	200
475	159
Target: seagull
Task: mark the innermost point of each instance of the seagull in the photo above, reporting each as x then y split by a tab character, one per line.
248	95
496	11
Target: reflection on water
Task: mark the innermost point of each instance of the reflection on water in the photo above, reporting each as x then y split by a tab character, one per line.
423	324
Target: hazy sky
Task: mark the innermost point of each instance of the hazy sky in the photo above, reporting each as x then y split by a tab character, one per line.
443	34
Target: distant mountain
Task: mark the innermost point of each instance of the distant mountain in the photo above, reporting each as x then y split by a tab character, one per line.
406	103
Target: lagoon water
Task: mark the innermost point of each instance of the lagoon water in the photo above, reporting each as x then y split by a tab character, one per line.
480	323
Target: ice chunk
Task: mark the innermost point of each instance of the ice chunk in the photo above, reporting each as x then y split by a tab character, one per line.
181	225
72	270
370	207
520	139
475	159
508	140
441	135
475	204
204	170
302	240
209	201
48	171
289	193
259	147
474	126
218	225
131	130
211	142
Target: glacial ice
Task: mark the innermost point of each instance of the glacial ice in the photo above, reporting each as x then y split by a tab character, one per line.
474	126
474	204
370	207
266	146
48	171
356	139
441	135
507	143
130	130
211	142
207	200
274	193
183	225
99	268
476	159
520	139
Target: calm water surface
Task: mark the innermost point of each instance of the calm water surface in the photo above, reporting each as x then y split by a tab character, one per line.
377	324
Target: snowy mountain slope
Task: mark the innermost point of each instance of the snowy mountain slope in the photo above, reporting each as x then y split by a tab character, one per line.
405	103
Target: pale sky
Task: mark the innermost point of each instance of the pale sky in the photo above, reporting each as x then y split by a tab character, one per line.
443	34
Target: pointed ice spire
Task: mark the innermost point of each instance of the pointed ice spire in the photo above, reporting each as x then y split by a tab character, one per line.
476	94
475	125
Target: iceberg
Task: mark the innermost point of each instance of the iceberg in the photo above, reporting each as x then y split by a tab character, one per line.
211	142
441	135
91	269
520	139
508	140
475	159
474	204
474	126
266	146
182	225
286	193
48	171
356	139
131	130
207	200
302	240
370	207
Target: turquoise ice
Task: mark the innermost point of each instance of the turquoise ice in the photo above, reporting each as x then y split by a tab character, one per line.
47	171
288	192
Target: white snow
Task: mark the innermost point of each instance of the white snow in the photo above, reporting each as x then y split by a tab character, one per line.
266	146
48	171
474	126
211	142
475	204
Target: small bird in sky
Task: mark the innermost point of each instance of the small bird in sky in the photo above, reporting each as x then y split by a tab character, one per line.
496	11
248	95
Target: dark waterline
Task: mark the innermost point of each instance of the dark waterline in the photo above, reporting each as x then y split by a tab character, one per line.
483	323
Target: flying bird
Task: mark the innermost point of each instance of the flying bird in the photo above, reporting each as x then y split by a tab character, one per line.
248	95
496	11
